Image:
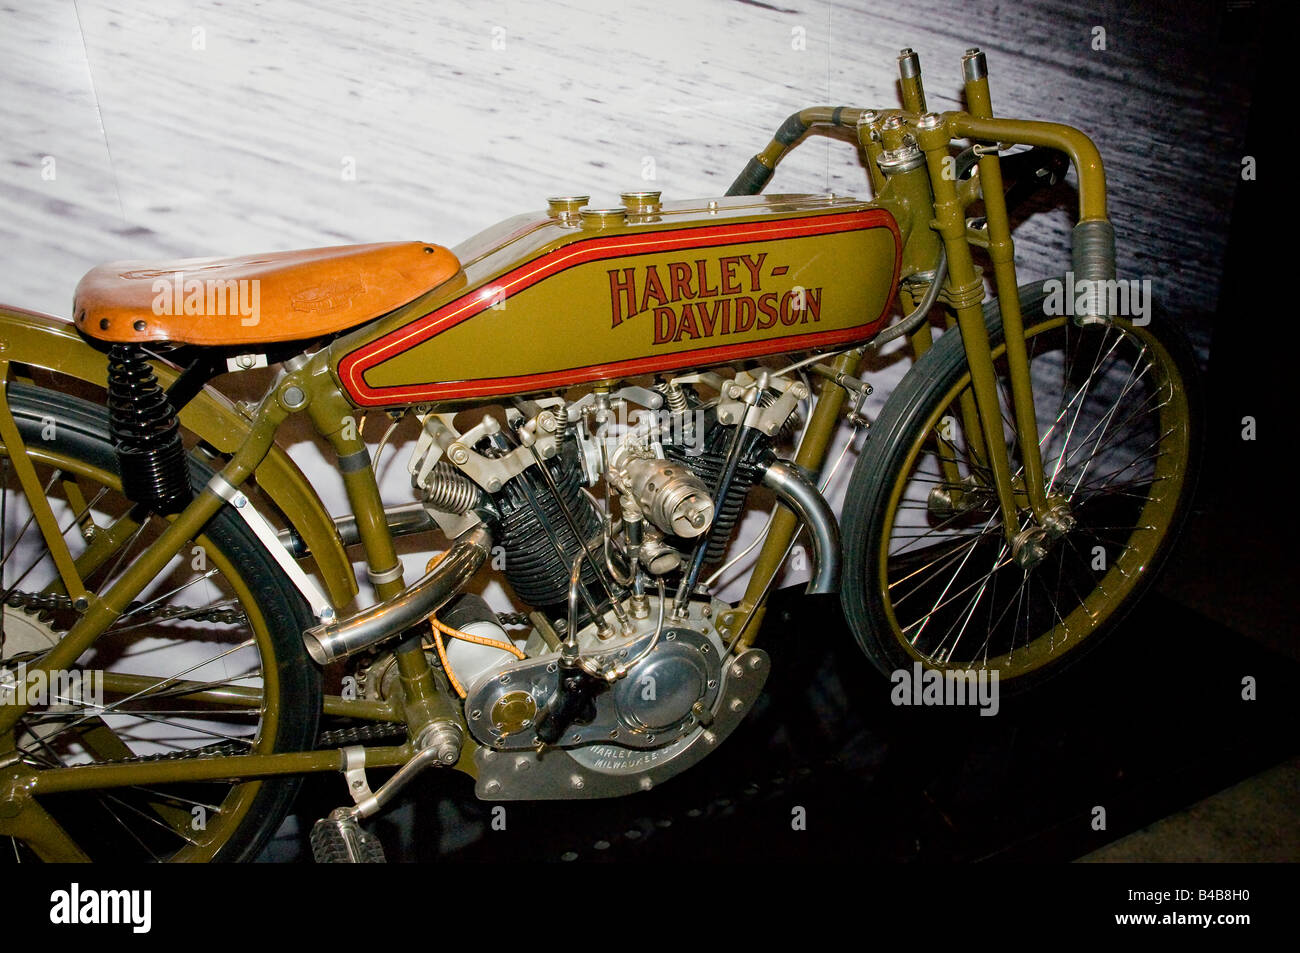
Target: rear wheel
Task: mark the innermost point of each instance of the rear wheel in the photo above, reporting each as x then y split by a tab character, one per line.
930	575
208	660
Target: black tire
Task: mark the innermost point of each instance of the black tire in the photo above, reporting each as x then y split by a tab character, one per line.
888	561
64	433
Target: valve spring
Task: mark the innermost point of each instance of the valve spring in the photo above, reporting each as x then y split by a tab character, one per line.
450	490
767	399
146	435
674	396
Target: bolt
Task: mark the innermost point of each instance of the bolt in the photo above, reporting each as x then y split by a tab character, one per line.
492	787
577	782
736	704
457	454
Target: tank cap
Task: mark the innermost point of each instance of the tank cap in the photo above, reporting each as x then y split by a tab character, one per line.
603	217
566	206
641	201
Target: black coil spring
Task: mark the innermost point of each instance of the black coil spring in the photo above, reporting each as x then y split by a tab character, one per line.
146	435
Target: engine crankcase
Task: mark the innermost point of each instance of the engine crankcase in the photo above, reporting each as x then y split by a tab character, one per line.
672	708
661	699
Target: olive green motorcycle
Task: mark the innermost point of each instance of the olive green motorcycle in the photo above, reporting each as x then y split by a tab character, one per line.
591	398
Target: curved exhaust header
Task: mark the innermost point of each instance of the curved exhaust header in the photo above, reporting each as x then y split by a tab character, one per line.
796	492
336	640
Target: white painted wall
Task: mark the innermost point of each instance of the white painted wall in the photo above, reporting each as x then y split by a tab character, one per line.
154	129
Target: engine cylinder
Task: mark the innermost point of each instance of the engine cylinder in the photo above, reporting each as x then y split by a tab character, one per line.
539	545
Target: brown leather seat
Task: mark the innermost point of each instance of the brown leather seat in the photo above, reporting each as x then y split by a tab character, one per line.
256	299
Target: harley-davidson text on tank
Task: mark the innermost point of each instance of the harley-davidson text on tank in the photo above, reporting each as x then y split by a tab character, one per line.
707	297
586	304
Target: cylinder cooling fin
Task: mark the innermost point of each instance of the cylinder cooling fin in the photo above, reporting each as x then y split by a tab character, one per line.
708	465
538	542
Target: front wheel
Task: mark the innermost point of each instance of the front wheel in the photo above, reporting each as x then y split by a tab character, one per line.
930	575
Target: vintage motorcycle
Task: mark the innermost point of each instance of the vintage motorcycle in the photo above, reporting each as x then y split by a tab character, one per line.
599	394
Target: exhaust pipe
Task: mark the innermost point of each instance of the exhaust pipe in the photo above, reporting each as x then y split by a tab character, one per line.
794	490
336	640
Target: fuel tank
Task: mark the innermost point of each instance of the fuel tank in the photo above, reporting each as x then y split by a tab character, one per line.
573	295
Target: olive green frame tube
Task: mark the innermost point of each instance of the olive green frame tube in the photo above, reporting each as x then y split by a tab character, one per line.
121	683
748	616
234	768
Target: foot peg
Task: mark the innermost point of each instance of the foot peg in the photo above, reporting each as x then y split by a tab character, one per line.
339	839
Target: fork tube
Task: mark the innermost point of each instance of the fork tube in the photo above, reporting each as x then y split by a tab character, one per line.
909	81
966	292
1002	252
104	610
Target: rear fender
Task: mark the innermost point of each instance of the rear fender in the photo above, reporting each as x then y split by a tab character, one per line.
52	344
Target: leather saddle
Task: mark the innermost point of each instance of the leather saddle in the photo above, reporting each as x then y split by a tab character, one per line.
256	299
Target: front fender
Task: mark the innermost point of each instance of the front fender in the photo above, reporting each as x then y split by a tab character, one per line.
40	340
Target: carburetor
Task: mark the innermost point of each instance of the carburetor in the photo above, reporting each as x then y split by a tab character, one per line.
666	493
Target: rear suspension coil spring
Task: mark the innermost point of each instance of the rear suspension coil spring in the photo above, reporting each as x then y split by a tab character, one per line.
146	434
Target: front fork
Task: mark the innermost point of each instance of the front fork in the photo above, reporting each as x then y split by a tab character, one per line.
980	406
1093	256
